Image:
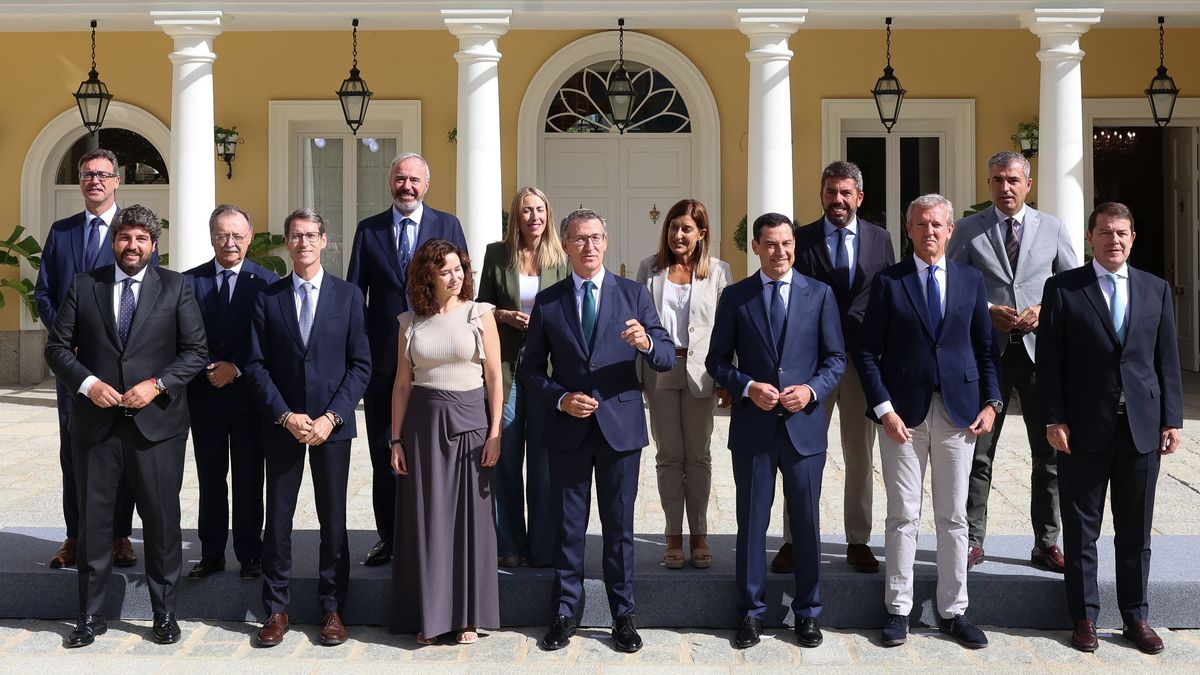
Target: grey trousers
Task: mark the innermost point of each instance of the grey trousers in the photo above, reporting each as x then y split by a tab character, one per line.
682	426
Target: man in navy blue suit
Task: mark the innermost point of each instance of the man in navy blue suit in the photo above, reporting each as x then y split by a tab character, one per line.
309	365
383	246
224	417
82	243
777	347
1111	397
590	329
928	368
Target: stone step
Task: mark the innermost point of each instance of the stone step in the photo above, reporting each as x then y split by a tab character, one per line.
1005	590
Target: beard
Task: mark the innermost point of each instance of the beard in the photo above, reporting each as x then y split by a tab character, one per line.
132	269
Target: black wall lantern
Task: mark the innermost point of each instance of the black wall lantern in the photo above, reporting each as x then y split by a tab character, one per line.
354	93
1162	92
92	95
622	99
887	92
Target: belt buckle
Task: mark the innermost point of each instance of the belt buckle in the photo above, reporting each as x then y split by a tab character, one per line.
127	411
1016	337
1121	408
681	352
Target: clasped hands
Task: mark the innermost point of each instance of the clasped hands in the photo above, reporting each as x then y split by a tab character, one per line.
308	430
793	398
1007	319
104	396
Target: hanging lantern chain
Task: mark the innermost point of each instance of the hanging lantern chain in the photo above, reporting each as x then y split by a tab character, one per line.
1160	40
354	39
889	41
94	44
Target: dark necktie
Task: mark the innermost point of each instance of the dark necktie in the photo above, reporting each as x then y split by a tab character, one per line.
1011	246
588	315
91	247
933	299
405	245
841	262
126	310
778	314
225	294
306	311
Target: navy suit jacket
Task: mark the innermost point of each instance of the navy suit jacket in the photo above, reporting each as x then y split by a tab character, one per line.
375	269
875	254
1082	367
899	352
608	373
330	374
228	337
741	350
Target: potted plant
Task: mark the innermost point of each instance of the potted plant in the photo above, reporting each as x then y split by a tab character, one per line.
1026	138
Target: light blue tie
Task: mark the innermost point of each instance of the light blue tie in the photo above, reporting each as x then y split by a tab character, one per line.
306	311
1120	302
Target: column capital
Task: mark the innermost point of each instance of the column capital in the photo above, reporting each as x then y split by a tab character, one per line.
198	24
1060	23
771	22
476	23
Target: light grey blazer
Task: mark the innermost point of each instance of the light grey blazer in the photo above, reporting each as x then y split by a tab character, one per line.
1045	251
701	314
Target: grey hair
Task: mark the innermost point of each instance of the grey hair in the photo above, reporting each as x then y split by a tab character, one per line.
404	156
227	210
1003	159
303	214
136	215
930	201
843	169
99	153
580	215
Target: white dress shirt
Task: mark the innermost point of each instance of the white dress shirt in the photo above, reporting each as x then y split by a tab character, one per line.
236	269
414	227
1106	284
1018	223
923	276
316	291
106	219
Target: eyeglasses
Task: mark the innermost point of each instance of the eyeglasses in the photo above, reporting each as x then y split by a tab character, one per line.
583	239
310	237
101	176
225	238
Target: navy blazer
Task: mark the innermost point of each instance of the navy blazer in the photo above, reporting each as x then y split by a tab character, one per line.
875	254
608	373
375	269
1082	367
330	374
813	354
62	259
898	351
228	337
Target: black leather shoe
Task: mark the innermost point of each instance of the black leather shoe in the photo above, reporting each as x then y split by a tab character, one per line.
380	554
166	630
964	632
626	635
559	635
206	567
251	569
748	635
808	633
85	632
895	631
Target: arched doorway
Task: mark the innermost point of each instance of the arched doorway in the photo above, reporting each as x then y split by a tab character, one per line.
568	145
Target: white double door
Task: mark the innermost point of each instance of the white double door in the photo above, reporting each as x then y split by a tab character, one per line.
628	179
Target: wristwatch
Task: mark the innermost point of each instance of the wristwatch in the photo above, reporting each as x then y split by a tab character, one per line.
996	406
159	386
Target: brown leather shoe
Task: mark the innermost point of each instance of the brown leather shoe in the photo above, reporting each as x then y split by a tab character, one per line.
782	562
123	555
1049	558
1142	635
333	631
974	556
1083	637
66	556
860	557
273	630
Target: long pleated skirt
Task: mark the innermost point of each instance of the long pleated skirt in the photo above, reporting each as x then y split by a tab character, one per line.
444	556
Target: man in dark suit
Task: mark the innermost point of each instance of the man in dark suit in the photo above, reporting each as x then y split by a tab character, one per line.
585	335
1112	401
846	253
82	243
777	347
309	365
128	337
929	372
383	246
225	419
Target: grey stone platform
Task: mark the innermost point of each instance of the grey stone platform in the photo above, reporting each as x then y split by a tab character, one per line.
1005	590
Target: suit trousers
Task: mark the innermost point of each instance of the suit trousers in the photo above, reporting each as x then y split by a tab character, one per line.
946	450
754	476
858	454
329	464
1017	372
681	425
571	491
122	515
153	471
1085	475
229	444
377	408
523	478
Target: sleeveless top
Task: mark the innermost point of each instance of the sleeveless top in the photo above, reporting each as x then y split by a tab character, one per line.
446	350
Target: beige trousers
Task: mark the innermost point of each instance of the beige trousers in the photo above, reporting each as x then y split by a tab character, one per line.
682	426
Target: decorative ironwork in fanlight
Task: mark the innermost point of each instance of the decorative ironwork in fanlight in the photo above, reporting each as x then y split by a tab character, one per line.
581	105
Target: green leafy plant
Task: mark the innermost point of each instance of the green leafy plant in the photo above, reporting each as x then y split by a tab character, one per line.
221	133
12	251
739	235
976	208
262	251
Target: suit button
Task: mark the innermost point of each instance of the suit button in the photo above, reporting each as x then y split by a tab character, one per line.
781	370
690	352
691	330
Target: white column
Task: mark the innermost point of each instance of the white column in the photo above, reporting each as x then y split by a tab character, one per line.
478	200
769	150
1060	115
192	171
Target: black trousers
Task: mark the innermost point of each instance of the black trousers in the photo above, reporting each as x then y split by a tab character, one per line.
224	445
377	407
330	467
153	471
123	513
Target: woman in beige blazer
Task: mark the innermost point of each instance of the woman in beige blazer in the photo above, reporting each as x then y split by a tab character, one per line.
529	259
685	284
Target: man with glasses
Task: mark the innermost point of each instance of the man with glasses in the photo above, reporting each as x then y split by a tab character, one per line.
82	243
383	246
225	424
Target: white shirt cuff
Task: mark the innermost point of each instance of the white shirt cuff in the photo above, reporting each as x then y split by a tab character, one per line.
746	391
87	384
560	400
883	409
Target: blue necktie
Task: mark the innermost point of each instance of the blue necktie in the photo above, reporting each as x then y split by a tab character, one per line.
225	294
841	263
126	310
306	312
91	247
588	316
404	252
1120	301
778	314
933	299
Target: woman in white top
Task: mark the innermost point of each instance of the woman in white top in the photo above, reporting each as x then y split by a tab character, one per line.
685	283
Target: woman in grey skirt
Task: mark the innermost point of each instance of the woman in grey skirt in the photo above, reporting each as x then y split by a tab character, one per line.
446	410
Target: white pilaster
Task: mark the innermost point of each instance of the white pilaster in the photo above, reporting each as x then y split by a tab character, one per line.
193	176
478	200
1060	113
769	147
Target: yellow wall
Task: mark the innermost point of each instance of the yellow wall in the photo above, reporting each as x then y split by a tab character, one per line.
998	68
